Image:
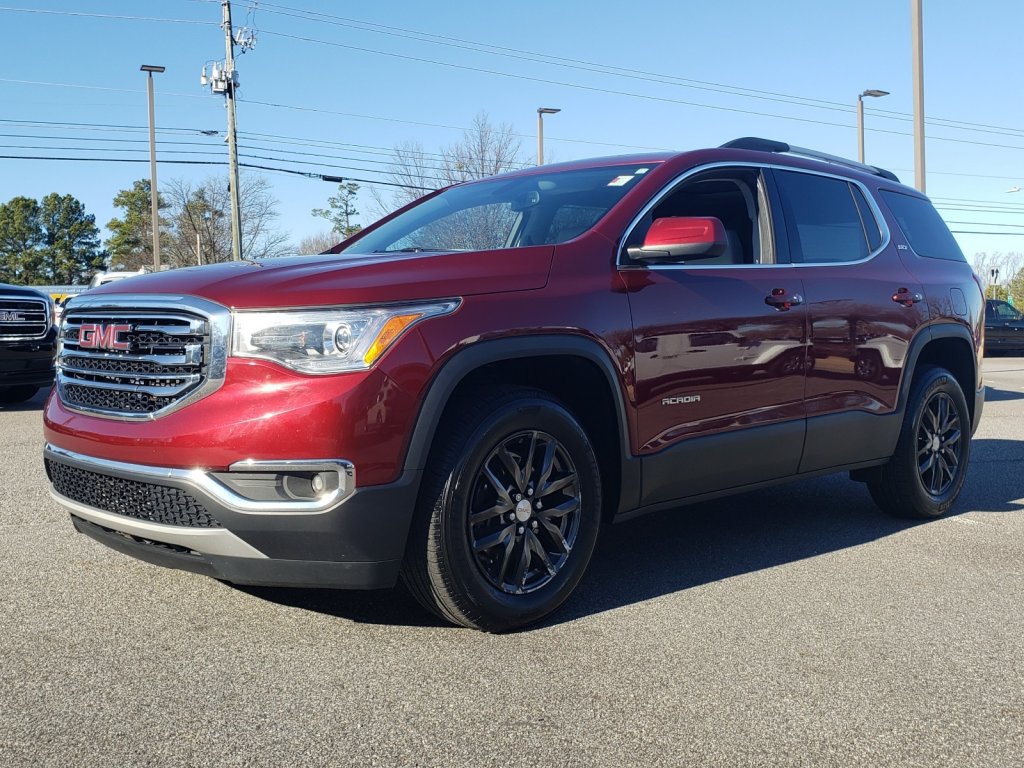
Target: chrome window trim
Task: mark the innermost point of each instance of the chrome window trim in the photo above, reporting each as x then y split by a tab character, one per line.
47	310
621	261
217	315
200	481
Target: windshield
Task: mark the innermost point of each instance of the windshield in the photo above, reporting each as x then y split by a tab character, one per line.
503	212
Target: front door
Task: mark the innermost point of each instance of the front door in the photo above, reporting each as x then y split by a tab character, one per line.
720	348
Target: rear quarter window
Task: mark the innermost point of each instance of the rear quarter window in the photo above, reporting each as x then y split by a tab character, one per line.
924	229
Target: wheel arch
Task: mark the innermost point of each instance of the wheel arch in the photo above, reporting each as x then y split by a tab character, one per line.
584	379
949	346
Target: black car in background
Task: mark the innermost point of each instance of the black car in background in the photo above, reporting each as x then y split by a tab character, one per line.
1004	328
28	342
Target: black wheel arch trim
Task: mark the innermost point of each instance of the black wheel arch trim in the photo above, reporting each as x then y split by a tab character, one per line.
482	353
917	345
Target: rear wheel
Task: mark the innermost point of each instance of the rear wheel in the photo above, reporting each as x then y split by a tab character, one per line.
925	474
509	513
12	395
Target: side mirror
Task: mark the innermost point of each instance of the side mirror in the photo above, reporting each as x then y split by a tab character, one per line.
681	238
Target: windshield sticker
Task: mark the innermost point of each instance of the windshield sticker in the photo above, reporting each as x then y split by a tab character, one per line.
620	181
642	170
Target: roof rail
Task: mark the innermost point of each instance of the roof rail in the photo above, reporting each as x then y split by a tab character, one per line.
769	145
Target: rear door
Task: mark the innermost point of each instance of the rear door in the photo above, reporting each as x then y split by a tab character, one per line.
863	308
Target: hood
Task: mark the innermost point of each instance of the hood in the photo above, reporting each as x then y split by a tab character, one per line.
326	280
20	290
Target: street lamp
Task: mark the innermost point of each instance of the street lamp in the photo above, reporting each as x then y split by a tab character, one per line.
150	69
860	118
541	111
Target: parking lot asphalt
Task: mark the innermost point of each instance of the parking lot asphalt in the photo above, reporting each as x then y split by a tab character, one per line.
792	626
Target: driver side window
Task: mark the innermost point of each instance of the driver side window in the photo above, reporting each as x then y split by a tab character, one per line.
735	197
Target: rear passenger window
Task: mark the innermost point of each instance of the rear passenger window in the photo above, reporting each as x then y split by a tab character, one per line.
823	218
924	229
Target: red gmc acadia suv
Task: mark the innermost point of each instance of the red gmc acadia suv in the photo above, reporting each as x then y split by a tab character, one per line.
465	392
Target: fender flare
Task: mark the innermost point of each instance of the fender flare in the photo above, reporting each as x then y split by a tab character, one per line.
461	364
917	345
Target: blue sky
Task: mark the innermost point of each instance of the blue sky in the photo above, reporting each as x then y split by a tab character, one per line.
374	75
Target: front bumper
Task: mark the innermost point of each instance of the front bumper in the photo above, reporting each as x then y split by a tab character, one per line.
197	521
28	362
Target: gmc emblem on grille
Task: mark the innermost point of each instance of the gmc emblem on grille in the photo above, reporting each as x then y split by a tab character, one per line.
97	336
14	317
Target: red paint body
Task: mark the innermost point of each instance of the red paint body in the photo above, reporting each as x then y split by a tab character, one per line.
710	333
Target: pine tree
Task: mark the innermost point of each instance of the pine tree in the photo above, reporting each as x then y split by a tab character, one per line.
71	243
21	240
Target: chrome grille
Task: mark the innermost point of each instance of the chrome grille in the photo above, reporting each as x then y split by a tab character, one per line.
23	317
137	362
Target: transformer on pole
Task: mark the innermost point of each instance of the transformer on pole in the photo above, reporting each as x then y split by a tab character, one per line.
223	78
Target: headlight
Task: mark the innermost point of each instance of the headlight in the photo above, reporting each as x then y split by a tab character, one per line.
327	340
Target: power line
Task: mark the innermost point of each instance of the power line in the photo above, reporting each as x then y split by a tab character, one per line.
986	224
547	59
599	68
307	174
615	92
104	16
972	232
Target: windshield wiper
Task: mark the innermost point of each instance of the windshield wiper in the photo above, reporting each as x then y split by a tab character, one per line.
417	249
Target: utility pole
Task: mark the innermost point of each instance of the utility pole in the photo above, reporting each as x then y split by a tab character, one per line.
917	45
229	94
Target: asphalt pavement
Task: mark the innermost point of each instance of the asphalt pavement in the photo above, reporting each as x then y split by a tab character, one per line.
793	626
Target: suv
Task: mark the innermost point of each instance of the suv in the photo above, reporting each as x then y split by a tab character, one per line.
463	393
1004	328
28	343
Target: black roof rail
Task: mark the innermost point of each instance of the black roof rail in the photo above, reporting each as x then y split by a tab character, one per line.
770	145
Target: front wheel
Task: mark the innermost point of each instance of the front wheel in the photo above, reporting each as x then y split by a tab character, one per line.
926	472
509	513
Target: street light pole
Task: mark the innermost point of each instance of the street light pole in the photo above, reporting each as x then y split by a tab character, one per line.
153	196
917	45
860	118
541	111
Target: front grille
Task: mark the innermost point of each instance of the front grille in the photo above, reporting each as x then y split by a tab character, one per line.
23	318
132	363
142	501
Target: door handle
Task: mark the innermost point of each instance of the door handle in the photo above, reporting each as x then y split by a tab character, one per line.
782	299
906	298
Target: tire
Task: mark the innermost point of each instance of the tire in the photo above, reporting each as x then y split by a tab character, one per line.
19	394
499	559
923	478
868	365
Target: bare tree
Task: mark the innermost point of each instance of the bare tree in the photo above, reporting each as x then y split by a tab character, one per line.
1001	274
200	221
319	242
484	150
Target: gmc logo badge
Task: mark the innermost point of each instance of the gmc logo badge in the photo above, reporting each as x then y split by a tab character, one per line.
96	336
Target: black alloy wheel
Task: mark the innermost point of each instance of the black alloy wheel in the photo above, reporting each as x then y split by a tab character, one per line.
939	444
509	511
524	512
927	470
